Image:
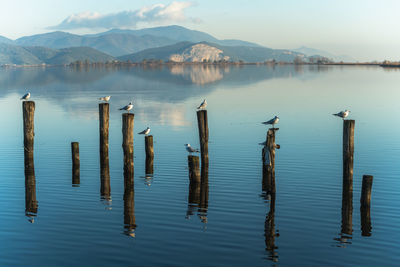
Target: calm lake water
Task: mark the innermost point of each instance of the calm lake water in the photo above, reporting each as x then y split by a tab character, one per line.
74	225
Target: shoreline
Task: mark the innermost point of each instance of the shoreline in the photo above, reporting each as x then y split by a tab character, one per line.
154	64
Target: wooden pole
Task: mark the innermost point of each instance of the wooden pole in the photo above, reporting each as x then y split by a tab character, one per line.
149	154
202	122
347	189
127	143
75	163
104	119
365	202
194	169
28	111
348	152
268	157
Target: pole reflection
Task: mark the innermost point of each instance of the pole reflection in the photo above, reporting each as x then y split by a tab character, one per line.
31	204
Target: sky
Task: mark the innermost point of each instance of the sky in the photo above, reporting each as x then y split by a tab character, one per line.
363	29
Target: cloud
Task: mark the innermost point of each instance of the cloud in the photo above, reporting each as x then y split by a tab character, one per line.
158	13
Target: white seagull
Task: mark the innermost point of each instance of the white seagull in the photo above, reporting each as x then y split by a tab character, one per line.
273	121
105	98
191	149
202	105
26	96
342	114
145	132
127	107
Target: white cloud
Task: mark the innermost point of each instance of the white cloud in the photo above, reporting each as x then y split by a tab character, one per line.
158	13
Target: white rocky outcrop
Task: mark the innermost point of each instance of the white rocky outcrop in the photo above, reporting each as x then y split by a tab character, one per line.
199	53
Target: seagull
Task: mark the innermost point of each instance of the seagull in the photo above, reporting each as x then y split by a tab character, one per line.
342	114
145	132
191	149
202	105
26	96
127	107
105	98
273	121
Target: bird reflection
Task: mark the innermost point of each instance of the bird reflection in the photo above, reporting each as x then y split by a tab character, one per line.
269	231
31	204
198	196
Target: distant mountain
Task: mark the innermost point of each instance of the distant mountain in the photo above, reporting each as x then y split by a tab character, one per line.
5	40
12	54
204	51
317	52
121	42
179	34
115	44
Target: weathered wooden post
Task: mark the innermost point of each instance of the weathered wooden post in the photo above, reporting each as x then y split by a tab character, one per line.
194	168
348	152
104	119
202	122
127	143
347	190
268	158
149	154
365	202
28	111
75	164
203	206
269	231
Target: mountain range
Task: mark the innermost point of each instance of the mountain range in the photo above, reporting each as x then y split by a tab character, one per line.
169	43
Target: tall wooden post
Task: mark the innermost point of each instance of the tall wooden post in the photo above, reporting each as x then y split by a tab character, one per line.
104	119
365	202
202	122
268	157
149	154
348	152
127	143
75	163
28	111
347	189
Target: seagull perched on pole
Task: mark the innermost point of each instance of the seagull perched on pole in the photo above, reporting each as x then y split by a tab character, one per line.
191	149
26	96
273	121
105	98
342	114
146	131
203	105
127	107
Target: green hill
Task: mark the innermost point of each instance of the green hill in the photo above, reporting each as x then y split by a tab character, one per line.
35	55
